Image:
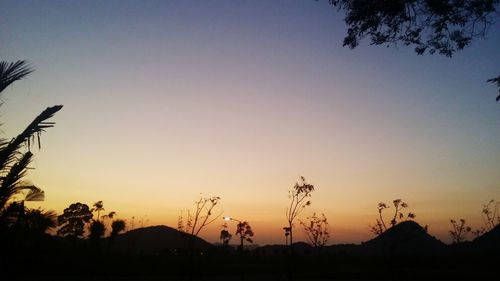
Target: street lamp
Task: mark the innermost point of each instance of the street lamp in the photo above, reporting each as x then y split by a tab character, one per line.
230	219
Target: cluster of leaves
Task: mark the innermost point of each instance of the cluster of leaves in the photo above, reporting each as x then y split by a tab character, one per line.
433	26
380	226
495	81
428	25
316	230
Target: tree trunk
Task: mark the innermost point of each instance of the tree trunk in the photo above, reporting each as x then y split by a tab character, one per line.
241	244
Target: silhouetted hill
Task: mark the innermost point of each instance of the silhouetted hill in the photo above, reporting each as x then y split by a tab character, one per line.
157	239
488	242
405	238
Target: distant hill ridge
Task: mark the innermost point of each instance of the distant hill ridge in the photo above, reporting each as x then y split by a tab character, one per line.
405	238
158	238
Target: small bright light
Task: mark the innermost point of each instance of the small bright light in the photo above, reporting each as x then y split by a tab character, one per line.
227	218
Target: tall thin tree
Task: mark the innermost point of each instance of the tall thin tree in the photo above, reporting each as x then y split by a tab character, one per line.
298	202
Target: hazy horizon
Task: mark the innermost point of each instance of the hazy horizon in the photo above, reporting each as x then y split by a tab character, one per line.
164	100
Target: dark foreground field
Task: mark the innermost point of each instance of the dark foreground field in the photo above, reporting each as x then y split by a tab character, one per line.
406	252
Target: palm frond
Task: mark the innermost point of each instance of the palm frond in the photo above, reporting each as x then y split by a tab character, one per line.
13	71
8	152
33	193
9	185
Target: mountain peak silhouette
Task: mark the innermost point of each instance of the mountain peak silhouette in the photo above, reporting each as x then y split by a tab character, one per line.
156	239
407	237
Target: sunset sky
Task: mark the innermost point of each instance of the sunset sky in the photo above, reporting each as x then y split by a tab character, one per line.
164	100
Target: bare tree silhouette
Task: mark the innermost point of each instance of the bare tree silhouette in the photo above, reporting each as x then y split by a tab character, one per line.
202	216
459	231
299	196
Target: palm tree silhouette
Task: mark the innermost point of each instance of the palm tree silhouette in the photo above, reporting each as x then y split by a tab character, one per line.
98	207
14	163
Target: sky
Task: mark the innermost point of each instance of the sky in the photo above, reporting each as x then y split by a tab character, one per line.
167	100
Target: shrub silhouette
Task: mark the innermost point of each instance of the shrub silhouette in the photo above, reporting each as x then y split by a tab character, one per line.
97	230
316	229
117	226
